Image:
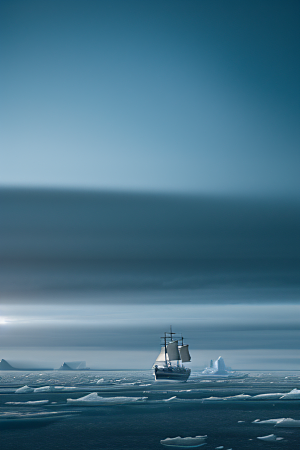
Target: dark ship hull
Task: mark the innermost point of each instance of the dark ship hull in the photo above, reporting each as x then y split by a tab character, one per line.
172	373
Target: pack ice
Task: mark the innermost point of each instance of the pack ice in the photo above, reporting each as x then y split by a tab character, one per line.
94	399
178	441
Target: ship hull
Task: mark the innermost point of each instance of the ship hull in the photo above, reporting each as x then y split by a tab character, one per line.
172	374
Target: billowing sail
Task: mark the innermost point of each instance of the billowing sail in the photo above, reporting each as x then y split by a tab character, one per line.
173	352
162	356
184	353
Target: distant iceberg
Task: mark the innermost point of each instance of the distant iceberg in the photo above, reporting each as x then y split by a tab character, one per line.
178	441
24	365
94	399
74	365
219	369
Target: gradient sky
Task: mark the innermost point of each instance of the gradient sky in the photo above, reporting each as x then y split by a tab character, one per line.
194	96
175	127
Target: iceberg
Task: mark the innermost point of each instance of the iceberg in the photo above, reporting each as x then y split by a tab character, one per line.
24	390
94	400
178	441
270	437
74	365
293	394
219	369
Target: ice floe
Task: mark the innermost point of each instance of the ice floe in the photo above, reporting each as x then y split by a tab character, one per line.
55	389
274	421
284	423
170	399
178	441
24	390
239	397
271	396
94	399
293	394
270	437
30	403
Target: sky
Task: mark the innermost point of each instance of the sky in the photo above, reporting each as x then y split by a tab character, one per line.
170	96
149	177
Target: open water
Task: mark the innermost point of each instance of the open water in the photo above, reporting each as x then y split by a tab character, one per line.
169	410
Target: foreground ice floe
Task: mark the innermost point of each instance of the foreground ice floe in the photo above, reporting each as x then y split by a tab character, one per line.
270	437
24	390
55	389
284	423
281	422
178	441
272	396
293	394
94	399
268	420
30	403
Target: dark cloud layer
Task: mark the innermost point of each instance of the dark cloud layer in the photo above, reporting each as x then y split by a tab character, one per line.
63	241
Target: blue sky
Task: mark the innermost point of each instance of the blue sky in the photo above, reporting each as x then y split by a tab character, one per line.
154	96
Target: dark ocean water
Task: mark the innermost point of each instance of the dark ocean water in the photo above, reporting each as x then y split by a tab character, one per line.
141	425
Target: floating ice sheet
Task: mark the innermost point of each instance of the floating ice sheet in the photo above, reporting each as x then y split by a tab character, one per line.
271	396
270	437
94	399
178	441
274	421
24	390
293	394
287	423
55	389
30	403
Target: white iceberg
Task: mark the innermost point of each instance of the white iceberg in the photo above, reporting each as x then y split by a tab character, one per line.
271	396
30	403
270	437
178	441
294	394
24	390
94	399
287	423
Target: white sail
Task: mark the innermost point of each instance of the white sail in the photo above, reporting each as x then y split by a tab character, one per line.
173	352
162	356
184	353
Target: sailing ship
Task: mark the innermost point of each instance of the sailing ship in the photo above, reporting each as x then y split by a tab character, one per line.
173	352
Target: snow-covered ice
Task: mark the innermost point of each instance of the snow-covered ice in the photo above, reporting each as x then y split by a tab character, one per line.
268	420
293	394
178	441
271	396
270	437
55	389
30	403
94	400
24	390
284	423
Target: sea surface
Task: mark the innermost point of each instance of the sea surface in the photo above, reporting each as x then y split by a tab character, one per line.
160	410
